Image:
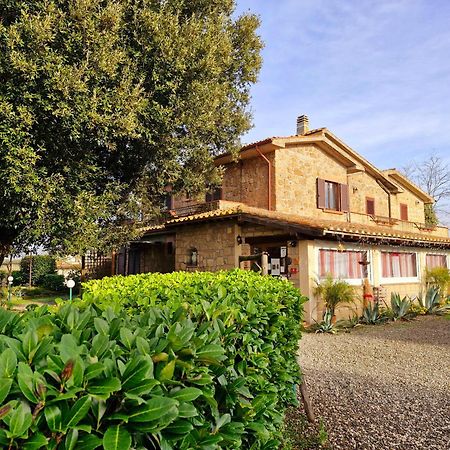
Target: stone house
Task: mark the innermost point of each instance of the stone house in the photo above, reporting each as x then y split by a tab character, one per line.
315	206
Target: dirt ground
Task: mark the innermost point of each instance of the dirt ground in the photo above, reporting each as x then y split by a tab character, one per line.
382	387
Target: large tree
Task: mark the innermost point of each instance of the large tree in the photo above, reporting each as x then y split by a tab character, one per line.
103	103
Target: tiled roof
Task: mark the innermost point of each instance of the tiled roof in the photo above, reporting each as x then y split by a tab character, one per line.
327	227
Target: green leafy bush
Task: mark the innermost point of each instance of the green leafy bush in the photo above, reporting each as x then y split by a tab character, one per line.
3	277
53	282
438	277
186	361
41	265
18	278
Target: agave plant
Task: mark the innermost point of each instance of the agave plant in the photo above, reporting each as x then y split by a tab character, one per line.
326	326
431	303
401	307
372	315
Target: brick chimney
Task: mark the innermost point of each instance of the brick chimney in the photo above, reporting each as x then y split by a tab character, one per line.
302	124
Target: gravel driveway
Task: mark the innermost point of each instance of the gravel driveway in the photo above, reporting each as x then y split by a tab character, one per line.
382	387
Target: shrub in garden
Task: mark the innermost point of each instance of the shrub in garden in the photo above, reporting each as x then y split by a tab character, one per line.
3	277
438	277
186	361
19	280
41	265
53	282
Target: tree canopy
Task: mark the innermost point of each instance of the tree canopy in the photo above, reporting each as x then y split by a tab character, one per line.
103	103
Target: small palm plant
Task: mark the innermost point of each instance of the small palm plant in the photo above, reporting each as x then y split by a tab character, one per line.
334	292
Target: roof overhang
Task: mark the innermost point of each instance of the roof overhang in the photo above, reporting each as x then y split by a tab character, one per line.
409	185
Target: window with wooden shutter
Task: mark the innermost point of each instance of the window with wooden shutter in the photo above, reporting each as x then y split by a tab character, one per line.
370	206
344	206
403	211
320	193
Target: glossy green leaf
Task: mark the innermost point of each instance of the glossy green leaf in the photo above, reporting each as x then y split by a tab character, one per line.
154	409
53	416
20	420
8	363
116	438
78	411
186	394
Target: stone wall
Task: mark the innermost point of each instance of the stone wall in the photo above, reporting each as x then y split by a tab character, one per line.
215	244
296	171
247	181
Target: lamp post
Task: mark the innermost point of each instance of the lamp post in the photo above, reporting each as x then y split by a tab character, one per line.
70	284
10	282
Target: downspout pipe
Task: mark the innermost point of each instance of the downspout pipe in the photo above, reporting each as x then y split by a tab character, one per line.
269	181
385	189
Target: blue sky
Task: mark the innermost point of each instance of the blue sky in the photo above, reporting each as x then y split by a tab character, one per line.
376	73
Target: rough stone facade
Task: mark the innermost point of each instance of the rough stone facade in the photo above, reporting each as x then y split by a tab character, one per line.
215	245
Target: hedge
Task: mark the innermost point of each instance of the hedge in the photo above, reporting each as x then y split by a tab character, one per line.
179	361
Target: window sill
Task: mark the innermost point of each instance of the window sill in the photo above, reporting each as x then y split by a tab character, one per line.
400	280
333	211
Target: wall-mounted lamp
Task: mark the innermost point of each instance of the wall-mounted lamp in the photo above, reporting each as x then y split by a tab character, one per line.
340	247
355	189
239	239
292	243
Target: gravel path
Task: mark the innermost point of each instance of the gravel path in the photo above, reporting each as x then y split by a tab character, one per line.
382	387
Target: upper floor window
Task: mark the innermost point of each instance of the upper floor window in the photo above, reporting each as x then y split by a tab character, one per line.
370	206
341	264
213	196
403	211
436	261
332	195
398	265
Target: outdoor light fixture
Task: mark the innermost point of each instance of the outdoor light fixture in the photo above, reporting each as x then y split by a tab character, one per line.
70	284
239	239
292	243
10	282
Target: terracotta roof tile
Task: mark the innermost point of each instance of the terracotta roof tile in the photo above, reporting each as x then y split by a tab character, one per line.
327	226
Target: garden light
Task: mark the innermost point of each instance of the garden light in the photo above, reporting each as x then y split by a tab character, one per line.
70	284
10	282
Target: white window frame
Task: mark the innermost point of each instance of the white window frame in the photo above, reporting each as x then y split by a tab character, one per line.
399	280
348	247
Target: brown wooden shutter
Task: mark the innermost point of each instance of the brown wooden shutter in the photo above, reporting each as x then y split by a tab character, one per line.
344	198
403	211
320	193
370	206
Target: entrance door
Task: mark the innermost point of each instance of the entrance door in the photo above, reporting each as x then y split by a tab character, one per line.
278	261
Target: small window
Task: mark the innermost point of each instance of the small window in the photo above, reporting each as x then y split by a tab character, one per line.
398	265
403	211
436	261
370	206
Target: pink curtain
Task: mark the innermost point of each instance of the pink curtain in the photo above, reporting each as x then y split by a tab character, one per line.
343	264
436	261
398	265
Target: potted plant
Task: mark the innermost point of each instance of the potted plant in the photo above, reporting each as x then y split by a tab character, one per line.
334	292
